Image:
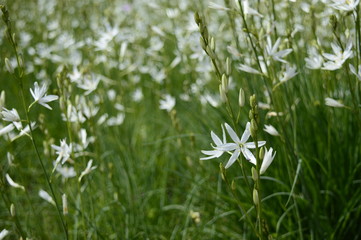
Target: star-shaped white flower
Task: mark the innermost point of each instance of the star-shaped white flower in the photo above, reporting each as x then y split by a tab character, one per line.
240	145
87	170
39	95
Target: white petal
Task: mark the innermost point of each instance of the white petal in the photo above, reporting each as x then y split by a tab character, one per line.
267	160
227	147
232	133
216	139
249	155
233	158
246	133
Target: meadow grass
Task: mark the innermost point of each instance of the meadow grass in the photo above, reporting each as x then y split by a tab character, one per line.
137	89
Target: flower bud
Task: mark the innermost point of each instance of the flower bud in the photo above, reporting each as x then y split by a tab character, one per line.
197	18
254	174
253	101
250	114
213	44
12	210
225	82
254	128
203	44
222	93
65	204
261	153
233	185
255	197
8	66
223	171
228	66
241	98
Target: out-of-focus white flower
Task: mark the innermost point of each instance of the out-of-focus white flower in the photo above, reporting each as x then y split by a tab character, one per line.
240	145
267	160
137	95
65	172
7	129
314	60
271	130
289	73
216	6
39	95
247	10
272	50
44	195
167	103
345	5
65	204
116	121
215	153
87	170
333	103
4	233
13	184
246	68
89	84
353	70
338	58
64	151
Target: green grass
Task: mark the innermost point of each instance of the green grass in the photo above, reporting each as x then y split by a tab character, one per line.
149	179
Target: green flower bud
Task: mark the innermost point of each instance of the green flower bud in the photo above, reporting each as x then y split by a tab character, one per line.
222	93
213	44
12	210
223	171
233	185
225	82
228	67
241	98
254	128
255	197
254	174
261	153
252	101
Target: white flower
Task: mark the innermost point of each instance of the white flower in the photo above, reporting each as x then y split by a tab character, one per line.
271	130
246	68
240	145
65	172
44	195
345	5
338	58
271	50
14	184
7	129
215	153
4	233
89	84
289	73
12	116
315	60
267	160
39	95
87	170
353	70
333	103
63	151
167	103
217	6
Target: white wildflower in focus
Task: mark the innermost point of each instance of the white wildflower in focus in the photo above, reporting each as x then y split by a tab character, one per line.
4	233
12	183
267	160
272	50
216	6
333	103
44	195
39	95
215	153
314	60
63	151
246	68
345	5
87	170
89	84
353	70
289	73
167	103
338	58
240	145
271	130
